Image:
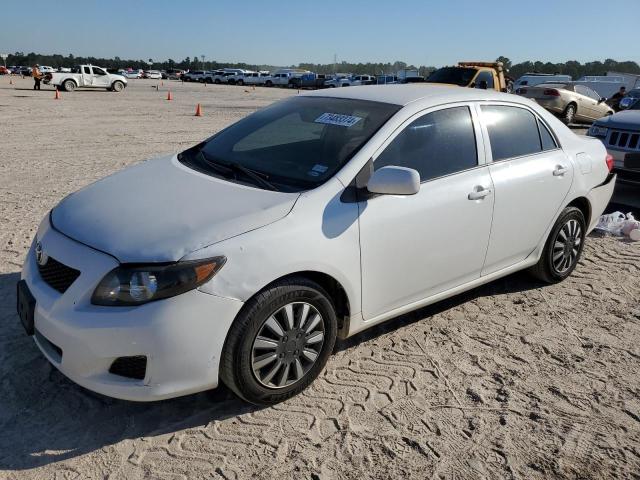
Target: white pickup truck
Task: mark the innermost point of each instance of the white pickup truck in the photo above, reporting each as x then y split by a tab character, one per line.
86	76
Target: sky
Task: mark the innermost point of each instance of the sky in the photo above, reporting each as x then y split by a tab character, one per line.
419	32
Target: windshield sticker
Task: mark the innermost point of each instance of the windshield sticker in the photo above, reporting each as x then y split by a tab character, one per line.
317	170
338	119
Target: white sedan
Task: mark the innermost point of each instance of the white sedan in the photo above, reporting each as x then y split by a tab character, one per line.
243	258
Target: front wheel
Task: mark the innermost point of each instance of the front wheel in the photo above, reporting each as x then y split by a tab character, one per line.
280	342
117	86
563	247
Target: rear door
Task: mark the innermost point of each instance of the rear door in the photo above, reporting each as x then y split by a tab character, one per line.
87	76
531	176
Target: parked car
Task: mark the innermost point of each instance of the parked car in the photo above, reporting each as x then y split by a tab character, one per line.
4	70
284	77
386	79
86	76
25	71
256	78
193	76
210	77
44	69
152	74
64	69
317	217
620	134
533	79
172	74
238	77
339	80
131	74
570	102
629	99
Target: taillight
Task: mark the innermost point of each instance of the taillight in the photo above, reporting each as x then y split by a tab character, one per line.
550	92
609	160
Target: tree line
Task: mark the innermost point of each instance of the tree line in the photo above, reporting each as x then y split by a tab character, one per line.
571	67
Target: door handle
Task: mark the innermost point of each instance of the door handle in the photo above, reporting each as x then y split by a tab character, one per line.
560	170
479	193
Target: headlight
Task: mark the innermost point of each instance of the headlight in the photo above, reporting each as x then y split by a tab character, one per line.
598	131
138	284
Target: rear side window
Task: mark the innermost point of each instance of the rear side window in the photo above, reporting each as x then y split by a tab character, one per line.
513	131
548	142
437	144
483	77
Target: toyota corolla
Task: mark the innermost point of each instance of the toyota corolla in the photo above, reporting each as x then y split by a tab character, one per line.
242	259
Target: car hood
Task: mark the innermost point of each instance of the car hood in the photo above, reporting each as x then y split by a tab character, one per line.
625	120
161	210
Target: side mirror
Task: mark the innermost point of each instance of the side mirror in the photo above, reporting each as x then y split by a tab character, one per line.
394	181
602	100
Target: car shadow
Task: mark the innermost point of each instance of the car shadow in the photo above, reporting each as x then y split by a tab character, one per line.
516	282
45	418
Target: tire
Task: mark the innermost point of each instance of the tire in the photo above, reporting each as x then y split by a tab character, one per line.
288	361
569	114
563	247
269	83
117	86
69	85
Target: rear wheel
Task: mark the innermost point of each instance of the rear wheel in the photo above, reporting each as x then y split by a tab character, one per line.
69	85
269	83
563	247
280	342
569	114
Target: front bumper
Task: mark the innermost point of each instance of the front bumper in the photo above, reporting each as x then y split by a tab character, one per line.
182	337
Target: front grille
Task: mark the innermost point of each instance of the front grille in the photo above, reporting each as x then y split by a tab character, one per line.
130	367
626	140
57	275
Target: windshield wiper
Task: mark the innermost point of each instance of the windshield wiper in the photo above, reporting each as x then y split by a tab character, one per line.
225	168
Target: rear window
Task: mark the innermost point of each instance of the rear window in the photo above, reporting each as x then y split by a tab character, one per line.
298	143
513	131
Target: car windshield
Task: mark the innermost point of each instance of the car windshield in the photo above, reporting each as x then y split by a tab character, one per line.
296	144
453	75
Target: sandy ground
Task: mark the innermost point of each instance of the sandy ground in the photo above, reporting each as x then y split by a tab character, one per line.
511	380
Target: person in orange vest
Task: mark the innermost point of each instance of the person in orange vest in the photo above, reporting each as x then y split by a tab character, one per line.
37	76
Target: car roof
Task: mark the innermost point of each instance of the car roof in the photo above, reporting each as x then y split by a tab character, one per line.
408	93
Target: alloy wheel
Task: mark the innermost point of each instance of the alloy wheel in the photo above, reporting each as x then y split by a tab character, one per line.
566	246
287	345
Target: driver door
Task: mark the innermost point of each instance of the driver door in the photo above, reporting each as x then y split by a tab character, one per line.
416	246
100	77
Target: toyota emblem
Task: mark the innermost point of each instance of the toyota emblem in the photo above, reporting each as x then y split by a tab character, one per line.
41	257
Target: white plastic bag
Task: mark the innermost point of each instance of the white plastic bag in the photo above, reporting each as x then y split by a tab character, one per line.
612	223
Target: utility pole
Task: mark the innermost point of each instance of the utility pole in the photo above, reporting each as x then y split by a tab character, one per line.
335	60
202	57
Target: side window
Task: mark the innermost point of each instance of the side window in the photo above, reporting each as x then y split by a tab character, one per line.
98	71
548	142
513	131
86	70
484	77
437	144
592	94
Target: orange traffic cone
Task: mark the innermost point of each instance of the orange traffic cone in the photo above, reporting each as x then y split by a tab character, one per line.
10	81
169	96
198	111
57	97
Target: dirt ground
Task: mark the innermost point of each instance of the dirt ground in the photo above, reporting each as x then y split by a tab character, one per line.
512	380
